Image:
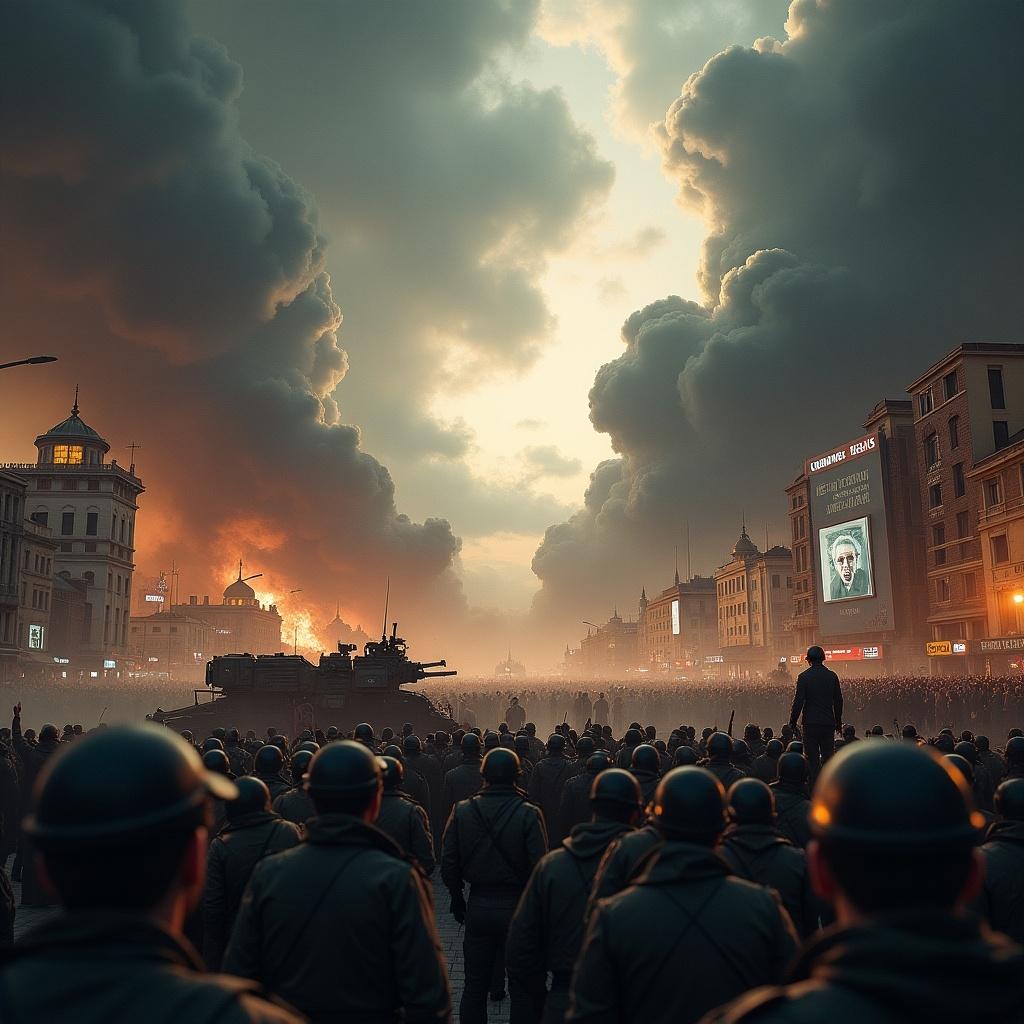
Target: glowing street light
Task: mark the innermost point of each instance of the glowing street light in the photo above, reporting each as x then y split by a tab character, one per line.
1018	598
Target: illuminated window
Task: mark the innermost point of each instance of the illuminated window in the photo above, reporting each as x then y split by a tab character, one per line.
67	454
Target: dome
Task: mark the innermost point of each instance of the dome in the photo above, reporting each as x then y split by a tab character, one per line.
239	591
72	429
744	547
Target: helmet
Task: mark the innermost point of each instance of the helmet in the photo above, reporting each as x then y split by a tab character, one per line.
684	756
411	744
522	744
751	802
393	750
212	743
981	742
556	743
719	745
584	748
689	803
471	745
500	765
944	743
279	741
440	738
967	750
773	749
490	740
598	763
346	770
186	735
393	773
332	732
616	786
268	761
300	765
740	750
633	737
232	737
121	783
49	734
1010	800
253	796
795	747
363	732
793	768
217	761
220	732
856	801
963	766
311	746
646	758
1015	750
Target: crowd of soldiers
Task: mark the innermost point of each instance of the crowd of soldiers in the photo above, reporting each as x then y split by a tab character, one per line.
599	875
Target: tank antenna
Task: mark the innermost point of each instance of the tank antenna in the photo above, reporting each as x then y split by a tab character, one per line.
384	628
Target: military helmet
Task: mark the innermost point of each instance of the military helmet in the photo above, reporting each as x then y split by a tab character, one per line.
217	761
633	737
268	760
121	783
793	768
689	803
719	745
751	802
394	772
1015	750
585	747
253	796
684	755
522	744
774	749
944	743
219	732
963	766
556	743
500	765
470	745
393	750
967	750
616	786
795	747
333	732
212	743
893	795
186	735
300	764
233	736
311	746
345	769
440	738
1010	800
279	741
490	740
598	762
645	758
740	750
411	744
49	734
363	732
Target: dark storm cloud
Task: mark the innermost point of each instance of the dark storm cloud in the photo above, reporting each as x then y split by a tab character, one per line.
860	181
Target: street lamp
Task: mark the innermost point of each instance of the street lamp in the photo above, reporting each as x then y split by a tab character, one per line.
1018	598
594	624
25	362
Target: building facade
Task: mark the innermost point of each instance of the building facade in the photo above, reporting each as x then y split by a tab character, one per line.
12	504
240	624
678	628
967	406
606	652
35	584
169	643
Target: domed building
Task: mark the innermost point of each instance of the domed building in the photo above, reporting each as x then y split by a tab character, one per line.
338	631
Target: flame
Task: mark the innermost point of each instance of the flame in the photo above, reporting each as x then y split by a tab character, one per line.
297	629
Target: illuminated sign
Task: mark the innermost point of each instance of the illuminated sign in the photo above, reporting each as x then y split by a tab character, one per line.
959	646
35	637
158	598
152	659
675	616
853	450
62	661
938	648
1001	645
714	659
870	653
109	663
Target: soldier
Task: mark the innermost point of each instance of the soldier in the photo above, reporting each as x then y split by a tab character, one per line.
720	760
120	827
493	841
645	766
536	747
791	803
633	738
414	784
819	700
240	758
893	852
574	808
465	779
252	831
294	805
268	765
684	755
1015	758
415	760
404	819
547	930
686	935
990	759
521	745
546	781
754	850
601	710
1001	901
515	716
385	958
363	733
766	767
454	756
215	760
981	782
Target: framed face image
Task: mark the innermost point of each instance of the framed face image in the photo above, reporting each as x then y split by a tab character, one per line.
845	551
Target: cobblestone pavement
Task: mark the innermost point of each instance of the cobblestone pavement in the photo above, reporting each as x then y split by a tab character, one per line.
450	930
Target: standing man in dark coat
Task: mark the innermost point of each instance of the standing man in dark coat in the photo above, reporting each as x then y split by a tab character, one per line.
515	716
1001	900
819	700
547	930
342	925
686	936
295	805
720	760
404	819
575	807
462	781
792	806
493	841
127	862
549	775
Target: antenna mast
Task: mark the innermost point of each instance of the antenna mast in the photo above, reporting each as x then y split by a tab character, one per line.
387	596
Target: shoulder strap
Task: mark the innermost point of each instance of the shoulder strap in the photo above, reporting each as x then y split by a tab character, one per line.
490	833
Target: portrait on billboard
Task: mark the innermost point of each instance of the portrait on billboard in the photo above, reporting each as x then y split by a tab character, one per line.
845	551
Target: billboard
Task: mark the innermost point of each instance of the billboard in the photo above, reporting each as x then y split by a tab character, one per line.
872	653
675	616
851	544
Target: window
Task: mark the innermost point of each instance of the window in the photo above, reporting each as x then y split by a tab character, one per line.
90	545
1000	433
993	492
962	524
156	629
94	485
69	483
925	403
67	523
970	584
935	495
949	385
959	485
942	590
931	449
954	432
71	454
65	548
995	387
174	629
41	518
44	483
1000	550
91	522
938	539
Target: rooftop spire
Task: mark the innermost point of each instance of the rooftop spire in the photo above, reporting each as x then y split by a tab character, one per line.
239	569
74	408
677	565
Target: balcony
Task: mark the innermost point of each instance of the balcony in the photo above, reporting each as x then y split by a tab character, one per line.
67	469
1003	510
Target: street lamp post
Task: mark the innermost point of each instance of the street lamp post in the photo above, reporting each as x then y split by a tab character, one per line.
31	360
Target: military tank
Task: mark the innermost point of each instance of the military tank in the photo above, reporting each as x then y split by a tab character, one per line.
289	693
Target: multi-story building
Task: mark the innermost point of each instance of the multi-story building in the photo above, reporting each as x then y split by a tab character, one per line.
35	584
678	628
966	407
12	503
171	643
240	624
90	505
755	593
802	625
606	652
1000	481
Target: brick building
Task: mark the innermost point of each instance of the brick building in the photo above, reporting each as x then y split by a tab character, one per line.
678	628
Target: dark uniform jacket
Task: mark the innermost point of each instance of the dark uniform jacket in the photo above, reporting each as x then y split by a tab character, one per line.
685	937
925	966
239	758
406	822
819	698
624	859
1001	900
416	787
648	783
725	771
295	806
759	854
492	841
574	807
430	769
277	784
547	929
460	784
764	768
791	810
32	757
102	967
548	777
237	849
342	927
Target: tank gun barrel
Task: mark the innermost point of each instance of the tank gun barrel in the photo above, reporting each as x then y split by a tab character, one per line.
434	664
438	675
